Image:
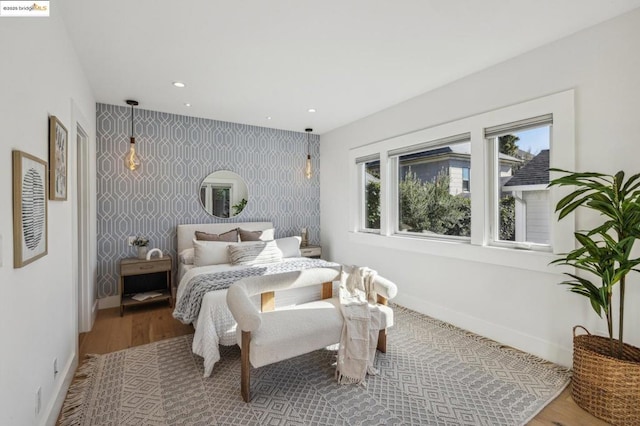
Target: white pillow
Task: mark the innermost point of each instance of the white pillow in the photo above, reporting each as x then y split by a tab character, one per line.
186	256
254	253
289	246
210	252
268	234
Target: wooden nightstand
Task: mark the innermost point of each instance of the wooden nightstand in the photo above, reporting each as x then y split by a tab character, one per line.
139	276
311	251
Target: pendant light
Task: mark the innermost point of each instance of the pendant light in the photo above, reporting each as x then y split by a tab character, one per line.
131	158
307	170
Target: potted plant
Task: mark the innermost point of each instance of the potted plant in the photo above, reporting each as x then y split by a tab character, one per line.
142	244
606	371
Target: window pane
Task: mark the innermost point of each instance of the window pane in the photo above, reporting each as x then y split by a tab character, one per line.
431	191
372	195
221	198
523	209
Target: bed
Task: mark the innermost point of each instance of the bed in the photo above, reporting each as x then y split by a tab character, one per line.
203	277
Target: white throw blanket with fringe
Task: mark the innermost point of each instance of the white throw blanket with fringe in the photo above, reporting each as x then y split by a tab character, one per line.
359	338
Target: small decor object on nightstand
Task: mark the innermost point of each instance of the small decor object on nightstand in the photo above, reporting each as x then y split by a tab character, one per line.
142	244
152	251
304	234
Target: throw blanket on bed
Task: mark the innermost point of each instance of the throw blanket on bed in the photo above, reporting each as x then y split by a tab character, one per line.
359	337
188	306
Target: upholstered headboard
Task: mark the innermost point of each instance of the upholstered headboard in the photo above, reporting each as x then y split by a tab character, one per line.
186	232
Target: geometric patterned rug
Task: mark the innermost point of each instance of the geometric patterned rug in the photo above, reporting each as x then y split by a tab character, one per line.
432	374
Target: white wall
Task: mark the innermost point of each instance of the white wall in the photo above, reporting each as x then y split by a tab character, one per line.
39	76
518	307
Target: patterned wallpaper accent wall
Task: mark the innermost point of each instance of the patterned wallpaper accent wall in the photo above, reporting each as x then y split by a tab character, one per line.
177	152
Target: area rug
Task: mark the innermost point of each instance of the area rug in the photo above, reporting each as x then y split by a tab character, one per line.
432	374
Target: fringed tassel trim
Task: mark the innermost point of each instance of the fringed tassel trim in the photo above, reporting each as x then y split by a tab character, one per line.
72	414
347	380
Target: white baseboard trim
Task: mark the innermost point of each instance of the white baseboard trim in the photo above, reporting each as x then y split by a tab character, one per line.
531	344
109	302
54	407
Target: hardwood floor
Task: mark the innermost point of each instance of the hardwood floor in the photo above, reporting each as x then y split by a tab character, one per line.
138	326
151	323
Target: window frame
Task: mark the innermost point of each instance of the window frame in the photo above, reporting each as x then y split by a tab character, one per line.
394	162
493	172
478	249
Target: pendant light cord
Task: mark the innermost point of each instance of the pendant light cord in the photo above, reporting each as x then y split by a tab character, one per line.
133	104
308	130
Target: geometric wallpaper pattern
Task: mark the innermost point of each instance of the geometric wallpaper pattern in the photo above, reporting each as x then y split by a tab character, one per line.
177	152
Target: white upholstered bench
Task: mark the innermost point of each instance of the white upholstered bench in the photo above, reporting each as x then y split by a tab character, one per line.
267	335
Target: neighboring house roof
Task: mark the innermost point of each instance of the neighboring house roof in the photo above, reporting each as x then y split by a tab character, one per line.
463	149
427	154
535	172
504	179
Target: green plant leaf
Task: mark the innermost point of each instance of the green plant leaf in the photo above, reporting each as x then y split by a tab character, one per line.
567	199
630	185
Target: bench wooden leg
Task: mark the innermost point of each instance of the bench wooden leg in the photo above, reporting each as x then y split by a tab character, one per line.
382	341
245	368
382	336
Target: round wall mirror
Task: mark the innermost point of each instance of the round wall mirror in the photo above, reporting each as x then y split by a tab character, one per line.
223	194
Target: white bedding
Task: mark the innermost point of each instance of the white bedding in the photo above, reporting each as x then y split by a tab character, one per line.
215	324
182	269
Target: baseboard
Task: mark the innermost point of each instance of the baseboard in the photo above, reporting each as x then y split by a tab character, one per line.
531	344
109	302
53	410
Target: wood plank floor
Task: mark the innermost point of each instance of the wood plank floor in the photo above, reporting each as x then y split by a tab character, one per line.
141	325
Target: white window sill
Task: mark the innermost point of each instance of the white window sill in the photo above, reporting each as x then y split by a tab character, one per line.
511	257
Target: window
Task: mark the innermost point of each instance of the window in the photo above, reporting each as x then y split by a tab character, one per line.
521	202
216	198
370	192
466	187
431	195
465	179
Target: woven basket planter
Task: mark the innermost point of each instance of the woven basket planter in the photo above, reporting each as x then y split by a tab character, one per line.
606	387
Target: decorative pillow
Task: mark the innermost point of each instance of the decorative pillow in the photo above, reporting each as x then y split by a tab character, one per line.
210	252
186	256
265	235
289	246
254	253
230	236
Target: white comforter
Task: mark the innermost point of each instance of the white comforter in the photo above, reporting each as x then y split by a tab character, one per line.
215	324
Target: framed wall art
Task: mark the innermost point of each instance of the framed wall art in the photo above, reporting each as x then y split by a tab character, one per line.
29	208
58	147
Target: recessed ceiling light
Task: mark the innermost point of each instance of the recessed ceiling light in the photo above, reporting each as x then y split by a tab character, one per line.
268	117
179	84
311	110
187	104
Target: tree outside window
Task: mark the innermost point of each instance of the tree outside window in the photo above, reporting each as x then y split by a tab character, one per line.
372	195
433	191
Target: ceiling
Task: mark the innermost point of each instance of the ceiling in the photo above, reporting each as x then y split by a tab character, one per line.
243	61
